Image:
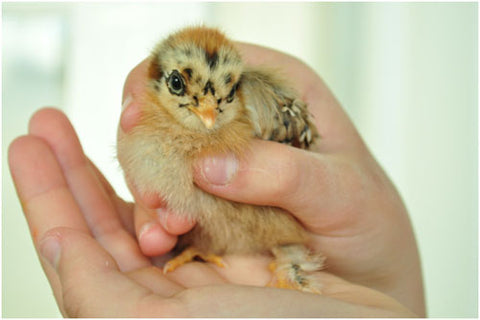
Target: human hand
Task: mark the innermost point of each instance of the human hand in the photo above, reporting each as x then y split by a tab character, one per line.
84	235
340	193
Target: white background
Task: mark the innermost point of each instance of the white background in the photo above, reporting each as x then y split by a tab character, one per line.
407	74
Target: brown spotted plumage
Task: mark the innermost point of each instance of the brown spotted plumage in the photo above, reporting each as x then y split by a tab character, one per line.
275	109
202	100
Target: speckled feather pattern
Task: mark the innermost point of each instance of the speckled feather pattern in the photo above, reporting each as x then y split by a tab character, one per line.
157	156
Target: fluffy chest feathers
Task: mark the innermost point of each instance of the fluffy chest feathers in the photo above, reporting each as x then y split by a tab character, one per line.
158	154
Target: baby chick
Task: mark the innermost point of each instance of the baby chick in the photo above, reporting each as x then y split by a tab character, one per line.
202	100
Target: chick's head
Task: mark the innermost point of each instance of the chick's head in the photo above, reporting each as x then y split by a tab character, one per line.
196	76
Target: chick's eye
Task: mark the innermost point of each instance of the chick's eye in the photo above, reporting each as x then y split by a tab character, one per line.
175	83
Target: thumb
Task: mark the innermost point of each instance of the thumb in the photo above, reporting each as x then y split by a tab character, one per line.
311	186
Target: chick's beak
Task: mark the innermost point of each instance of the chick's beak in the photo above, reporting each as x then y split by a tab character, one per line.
206	111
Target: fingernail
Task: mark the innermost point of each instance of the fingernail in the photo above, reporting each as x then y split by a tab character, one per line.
130	114
219	170
128	99
162	217
145	229
50	250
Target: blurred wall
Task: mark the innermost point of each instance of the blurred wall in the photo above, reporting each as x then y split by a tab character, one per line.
406	73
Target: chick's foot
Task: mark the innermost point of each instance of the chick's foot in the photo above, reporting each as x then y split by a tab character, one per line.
188	255
294	267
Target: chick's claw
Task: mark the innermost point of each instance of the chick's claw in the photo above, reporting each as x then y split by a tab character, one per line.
294	267
293	278
188	255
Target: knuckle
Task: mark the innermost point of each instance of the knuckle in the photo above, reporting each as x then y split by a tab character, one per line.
74	303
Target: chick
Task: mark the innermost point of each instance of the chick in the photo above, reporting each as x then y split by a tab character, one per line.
202	100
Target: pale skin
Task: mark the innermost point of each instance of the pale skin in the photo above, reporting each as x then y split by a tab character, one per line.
86	236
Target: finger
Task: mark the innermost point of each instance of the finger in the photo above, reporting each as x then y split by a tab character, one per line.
123	208
156	227
153	208
275	303
152	237
173	223
133	93
43	192
89	194
92	285
316	188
